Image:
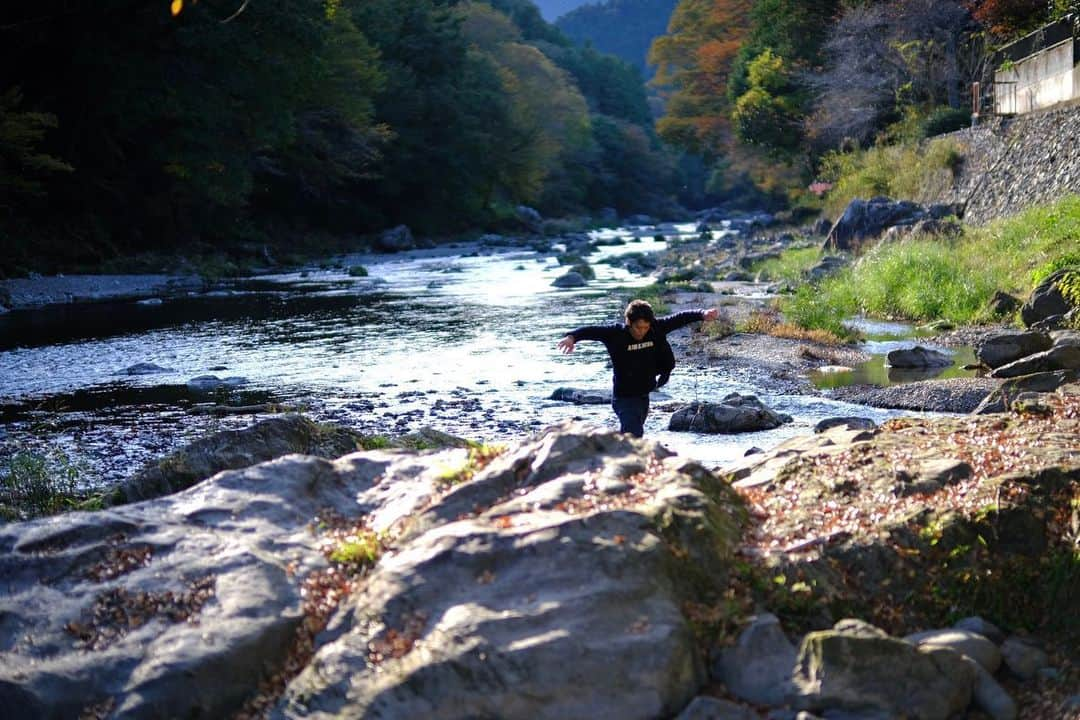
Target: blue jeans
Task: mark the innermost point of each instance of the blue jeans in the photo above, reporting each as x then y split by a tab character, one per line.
631	412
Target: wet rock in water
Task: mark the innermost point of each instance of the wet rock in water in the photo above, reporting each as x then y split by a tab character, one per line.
1058	357
1003	348
234	450
582	397
850	423
917	357
843	670
209	383
571	279
145	368
735	413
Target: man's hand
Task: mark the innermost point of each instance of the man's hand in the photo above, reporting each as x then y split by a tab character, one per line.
567	344
711	314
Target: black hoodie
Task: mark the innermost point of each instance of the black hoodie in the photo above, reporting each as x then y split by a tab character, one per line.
636	363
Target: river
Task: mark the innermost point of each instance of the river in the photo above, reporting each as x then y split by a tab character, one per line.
460	340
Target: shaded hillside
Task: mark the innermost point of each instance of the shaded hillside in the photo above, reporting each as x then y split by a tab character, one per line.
552	9
625	28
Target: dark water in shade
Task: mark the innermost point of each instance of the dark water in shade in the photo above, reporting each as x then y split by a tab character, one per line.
464	343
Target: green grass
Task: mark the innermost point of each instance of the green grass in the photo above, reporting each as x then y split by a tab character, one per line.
33	485
652	294
925	279
791	266
907	171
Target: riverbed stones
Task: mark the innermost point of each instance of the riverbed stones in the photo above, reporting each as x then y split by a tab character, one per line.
917	357
735	413
977	647
1003	348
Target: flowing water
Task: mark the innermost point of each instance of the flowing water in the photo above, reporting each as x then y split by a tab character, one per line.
462	341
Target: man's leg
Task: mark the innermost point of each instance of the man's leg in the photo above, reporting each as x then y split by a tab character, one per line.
631	412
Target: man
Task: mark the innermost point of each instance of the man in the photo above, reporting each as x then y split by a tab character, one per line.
637	350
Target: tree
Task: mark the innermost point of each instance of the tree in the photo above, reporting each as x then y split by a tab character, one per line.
1009	18
763	115
694	59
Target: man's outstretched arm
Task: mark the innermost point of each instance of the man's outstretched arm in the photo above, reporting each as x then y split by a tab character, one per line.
589	332
669	323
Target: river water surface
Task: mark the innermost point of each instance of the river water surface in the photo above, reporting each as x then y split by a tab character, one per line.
463	342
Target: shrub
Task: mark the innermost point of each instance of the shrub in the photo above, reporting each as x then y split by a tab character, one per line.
945	120
34	484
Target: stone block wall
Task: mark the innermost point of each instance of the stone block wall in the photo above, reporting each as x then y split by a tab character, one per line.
1011	164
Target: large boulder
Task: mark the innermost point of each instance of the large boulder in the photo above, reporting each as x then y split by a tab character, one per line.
735	413
866	220
571	279
549	583
529	218
1047	300
861	672
1001	399
1003	348
234	450
580	396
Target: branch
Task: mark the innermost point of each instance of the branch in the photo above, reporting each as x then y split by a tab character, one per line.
237	13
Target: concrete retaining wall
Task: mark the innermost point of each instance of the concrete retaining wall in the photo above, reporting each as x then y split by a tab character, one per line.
1011	164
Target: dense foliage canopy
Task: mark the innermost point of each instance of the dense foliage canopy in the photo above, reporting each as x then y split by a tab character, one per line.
135	125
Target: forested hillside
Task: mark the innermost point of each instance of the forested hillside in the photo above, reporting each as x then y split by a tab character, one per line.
135	126
775	94
625	28
553	9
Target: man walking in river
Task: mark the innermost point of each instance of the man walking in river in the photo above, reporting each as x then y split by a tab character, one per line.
637	349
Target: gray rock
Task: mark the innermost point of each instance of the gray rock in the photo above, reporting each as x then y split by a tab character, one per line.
865	220
735	413
1059	357
979	626
1022	658
758	667
511	595
851	423
235	450
1004	348
839	670
828	265
209	383
522	612
396	239
1046	300
1000	400
990	697
709	708
932	475
145	368
571	279
975	646
917	357
1002	304
582	397
1065	338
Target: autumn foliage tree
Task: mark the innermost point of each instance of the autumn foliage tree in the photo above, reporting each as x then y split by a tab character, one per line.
1008	18
693	62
